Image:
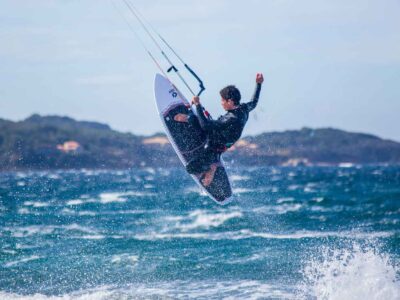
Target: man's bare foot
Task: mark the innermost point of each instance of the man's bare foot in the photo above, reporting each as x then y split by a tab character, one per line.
181	118
209	175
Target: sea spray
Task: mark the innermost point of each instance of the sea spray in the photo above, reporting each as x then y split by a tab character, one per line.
356	272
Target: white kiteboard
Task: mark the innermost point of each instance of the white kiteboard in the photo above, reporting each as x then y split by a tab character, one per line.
187	139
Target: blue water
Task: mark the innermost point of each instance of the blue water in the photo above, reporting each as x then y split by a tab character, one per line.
291	233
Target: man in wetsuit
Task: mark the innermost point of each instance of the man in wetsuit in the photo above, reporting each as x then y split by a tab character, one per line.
223	132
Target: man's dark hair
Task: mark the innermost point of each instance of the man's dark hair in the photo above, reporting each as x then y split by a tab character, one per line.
231	92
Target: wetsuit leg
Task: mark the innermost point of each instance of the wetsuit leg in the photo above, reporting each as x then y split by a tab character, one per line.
202	162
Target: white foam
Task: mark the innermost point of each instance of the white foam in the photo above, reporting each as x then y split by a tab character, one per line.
294	187
21	261
8	251
150	170
121	197
318	199
247	234
120	173
106	198
203	219
26	231
275	171
239	178
235	289
278	209
92	237
22	174
74	202
20	246
77	227
346	165
67	211
274	189
286	199
23	211
125	258
53	176
241	191
254	257
352	273
87	213
310	187
36	204
195	189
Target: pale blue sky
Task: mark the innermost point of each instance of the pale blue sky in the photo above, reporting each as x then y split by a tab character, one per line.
326	63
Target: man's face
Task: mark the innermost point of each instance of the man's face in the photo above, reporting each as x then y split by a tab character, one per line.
227	104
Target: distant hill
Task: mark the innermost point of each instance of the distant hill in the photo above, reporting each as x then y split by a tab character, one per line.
325	146
52	142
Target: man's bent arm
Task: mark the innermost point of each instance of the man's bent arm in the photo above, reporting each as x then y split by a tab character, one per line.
207	124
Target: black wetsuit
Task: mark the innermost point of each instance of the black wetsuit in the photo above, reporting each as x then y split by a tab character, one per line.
221	133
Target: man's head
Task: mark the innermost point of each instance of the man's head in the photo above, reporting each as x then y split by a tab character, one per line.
230	97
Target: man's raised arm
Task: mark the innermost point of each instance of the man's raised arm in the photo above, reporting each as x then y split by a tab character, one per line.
254	100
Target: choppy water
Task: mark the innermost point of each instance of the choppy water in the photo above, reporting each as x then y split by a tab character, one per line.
291	233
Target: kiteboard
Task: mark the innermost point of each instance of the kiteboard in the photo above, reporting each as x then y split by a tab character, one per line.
188	139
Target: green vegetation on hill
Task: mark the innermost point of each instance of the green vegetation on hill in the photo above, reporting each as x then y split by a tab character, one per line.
61	142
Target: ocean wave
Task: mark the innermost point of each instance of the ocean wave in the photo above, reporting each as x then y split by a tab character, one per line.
201	219
248	234
195	189
95	237
67	211
27	231
236	289
125	258
36	203
278	209
92	237
354	272
21	261
239	178
71	212
77	202
107	197
25	211
285	199
241	190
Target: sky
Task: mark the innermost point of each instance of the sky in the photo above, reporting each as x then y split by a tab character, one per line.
325	63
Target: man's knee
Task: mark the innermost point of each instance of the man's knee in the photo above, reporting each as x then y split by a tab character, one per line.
196	167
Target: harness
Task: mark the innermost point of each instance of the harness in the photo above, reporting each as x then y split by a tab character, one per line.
218	148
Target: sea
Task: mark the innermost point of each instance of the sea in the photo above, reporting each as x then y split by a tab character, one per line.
148	233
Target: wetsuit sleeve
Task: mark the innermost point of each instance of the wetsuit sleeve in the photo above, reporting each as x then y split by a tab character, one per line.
192	118
209	125
254	100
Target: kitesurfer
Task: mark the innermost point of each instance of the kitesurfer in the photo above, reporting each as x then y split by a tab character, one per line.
221	133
